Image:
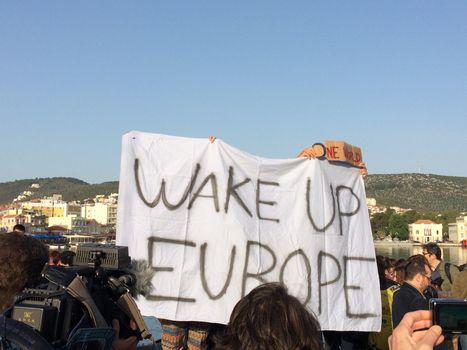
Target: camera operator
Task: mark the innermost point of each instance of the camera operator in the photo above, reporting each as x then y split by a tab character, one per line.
22	259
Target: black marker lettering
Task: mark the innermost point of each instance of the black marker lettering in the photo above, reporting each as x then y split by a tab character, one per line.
151	242
353	287
258	276
308	208
231	191
321	284
202	262
162	191
259	201
341	214
308	272
214	195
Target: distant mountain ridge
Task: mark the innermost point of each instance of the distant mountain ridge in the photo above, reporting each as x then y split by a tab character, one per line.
421	192
70	188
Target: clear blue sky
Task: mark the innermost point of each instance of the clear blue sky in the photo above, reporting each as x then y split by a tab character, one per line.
268	77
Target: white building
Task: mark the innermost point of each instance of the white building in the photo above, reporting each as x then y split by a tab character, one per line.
77	224
71	222
425	231
458	229
103	213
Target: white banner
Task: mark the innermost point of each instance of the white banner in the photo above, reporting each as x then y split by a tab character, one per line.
213	222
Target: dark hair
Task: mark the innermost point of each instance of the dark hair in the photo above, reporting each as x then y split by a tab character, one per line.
269	318
19	228
390	263
67	257
55	257
381	264
400	270
414	265
21	261
433	248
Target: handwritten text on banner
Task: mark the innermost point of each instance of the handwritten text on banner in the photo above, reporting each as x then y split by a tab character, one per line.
213	222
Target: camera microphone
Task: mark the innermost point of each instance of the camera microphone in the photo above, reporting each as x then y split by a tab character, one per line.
143	274
129	280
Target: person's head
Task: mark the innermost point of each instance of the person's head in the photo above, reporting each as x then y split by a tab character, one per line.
381	264
54	258
18	228
390	269
418	272
432	252
400	271
269	318
21	261
67	257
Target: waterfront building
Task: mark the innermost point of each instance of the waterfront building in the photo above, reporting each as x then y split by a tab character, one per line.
458	229
425	231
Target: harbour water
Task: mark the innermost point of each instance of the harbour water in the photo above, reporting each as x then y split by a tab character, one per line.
455	255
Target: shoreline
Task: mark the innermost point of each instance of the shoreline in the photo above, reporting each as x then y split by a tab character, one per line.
411	244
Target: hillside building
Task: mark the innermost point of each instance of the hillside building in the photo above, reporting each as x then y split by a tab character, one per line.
74	208
38	223
103	213
48	206
75	224
375	209
9	221
71	222
425	231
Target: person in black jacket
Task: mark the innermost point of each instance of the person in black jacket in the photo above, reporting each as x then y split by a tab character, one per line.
410	296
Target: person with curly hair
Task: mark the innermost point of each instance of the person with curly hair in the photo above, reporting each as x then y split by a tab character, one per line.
270	318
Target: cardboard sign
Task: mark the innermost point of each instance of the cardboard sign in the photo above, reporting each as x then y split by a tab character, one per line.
341	151
208	223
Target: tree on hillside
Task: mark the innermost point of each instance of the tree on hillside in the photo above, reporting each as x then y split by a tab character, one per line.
380	222
398	226
411	216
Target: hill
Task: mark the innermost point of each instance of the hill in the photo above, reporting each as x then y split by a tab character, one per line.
421	192
70	188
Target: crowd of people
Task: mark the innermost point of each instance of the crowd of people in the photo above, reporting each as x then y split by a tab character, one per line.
270	318
407	285
22	259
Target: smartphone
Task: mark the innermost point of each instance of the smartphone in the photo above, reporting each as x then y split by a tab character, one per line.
450	315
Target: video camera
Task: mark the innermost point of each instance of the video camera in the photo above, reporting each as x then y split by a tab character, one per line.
76	305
